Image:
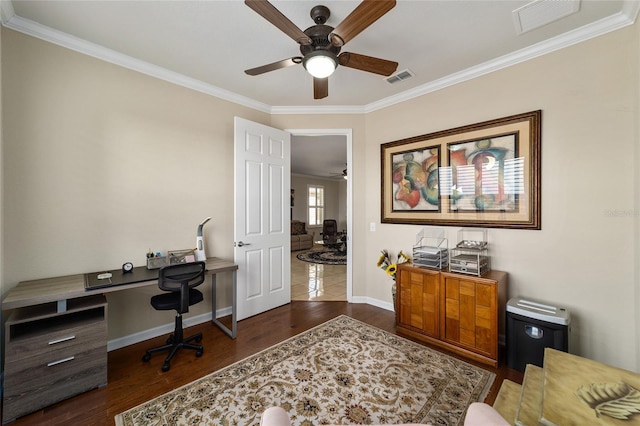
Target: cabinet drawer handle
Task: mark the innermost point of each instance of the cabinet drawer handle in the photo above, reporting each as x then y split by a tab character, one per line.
64	339
51	364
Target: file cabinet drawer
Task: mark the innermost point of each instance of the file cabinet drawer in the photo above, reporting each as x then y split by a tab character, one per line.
91	332
51	356
48	383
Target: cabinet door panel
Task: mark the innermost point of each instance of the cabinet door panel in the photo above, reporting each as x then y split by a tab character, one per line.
467	312
452	330
483	316
485	294
420	298
484	342
467	288
467	337
404	305
472	305
451	289
416	300
452	308
430	308
430	300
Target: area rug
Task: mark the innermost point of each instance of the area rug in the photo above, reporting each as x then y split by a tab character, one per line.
341	372
327	257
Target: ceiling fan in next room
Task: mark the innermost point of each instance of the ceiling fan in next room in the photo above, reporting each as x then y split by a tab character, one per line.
320	44
342	175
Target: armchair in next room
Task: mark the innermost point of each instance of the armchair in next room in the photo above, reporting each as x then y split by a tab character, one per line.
330	232
300	238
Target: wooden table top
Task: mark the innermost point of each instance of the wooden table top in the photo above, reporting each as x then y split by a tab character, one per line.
35	292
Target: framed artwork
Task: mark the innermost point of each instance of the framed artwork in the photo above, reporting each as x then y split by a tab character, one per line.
481	175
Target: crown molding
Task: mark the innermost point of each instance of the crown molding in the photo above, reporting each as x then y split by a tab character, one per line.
631	8
587	32
328	109
6	11
626	17
59	38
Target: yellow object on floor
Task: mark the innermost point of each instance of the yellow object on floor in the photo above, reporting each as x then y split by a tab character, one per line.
506	402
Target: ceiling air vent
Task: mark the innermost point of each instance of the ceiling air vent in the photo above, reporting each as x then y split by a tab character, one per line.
542	12
399	76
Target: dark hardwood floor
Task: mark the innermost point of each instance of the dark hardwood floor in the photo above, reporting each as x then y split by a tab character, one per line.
132	382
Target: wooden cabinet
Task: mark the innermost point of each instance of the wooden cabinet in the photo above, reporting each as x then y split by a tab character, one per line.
51	355
462	313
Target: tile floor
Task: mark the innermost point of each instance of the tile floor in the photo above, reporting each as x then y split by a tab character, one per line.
314	281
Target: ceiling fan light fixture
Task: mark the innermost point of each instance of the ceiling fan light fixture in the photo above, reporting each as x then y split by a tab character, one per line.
320	64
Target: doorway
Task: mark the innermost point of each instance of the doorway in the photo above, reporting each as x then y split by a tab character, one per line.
343	163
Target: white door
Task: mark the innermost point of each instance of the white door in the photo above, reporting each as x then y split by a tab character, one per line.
262	224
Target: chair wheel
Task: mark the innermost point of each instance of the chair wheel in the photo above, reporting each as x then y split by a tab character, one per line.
166	367
170	341
199	353
199	339
146	357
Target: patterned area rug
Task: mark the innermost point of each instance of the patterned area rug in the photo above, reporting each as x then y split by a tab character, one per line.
327	257
340	372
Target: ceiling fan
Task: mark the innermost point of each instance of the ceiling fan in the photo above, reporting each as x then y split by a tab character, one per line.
320	44
342	175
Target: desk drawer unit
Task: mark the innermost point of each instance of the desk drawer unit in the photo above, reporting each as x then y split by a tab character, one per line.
51	355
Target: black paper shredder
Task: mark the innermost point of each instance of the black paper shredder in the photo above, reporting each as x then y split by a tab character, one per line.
531	327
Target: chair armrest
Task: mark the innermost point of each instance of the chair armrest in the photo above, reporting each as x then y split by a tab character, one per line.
275	416
480	414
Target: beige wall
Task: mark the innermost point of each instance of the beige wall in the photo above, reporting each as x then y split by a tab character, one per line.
584	257
89	153
1	190
105	163
635	62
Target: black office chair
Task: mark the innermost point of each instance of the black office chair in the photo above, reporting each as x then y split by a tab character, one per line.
179	280
329	231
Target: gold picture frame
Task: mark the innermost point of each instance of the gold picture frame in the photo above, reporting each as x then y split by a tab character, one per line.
480	175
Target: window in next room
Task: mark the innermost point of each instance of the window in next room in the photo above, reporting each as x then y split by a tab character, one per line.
315	201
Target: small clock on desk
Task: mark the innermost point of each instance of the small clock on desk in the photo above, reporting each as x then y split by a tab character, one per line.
127	267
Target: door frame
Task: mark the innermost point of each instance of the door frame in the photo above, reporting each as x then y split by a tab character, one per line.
348	133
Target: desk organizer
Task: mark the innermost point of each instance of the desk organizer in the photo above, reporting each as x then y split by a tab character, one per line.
157	262
470	256
430	249
182	256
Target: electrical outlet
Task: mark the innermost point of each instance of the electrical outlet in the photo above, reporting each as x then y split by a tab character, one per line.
372	227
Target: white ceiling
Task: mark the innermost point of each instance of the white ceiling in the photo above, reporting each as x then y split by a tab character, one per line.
207	45
321	156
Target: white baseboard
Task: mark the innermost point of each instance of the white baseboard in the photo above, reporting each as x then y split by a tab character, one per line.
141	336
374	302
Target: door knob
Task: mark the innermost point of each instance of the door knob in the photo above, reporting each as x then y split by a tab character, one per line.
241	244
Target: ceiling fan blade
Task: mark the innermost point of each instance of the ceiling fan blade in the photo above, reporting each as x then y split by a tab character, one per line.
320	88
273	15
367	12
274	66
367	63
